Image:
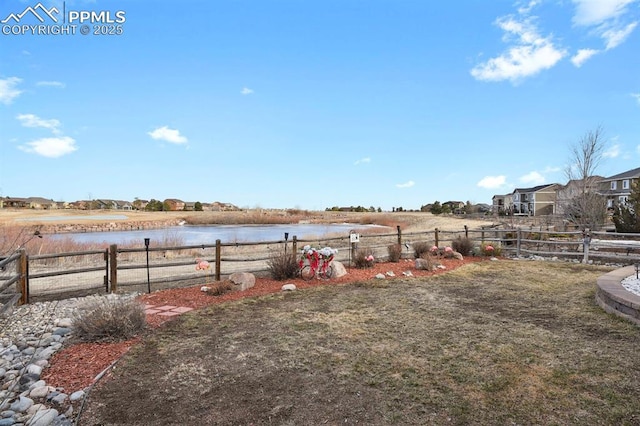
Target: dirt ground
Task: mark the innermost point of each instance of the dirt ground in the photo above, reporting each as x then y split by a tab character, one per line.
490	343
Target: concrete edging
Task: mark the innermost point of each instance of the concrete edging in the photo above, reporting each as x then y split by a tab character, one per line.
615	299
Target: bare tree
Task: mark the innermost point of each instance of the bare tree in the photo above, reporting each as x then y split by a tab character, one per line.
581	203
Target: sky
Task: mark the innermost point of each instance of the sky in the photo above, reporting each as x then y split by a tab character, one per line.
311	104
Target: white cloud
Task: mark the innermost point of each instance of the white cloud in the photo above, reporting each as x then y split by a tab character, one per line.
530	54
492	182
595	12
408	184
31	120
363	160
582	56
612	152
9	90
636	96
164	133
534	178
246	91
616	36
607	18
526	9
58	84
51	147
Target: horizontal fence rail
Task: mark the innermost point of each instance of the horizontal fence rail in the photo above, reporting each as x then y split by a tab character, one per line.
146	269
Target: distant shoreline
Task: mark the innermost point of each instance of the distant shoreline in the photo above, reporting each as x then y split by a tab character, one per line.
61	221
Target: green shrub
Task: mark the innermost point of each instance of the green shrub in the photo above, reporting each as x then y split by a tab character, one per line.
108	318
421	248
283	266
363	258
395	252
462	245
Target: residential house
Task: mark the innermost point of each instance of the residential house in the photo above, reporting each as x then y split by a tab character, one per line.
15	203
174	204
40	203
106	204
123	205
573	188
498	204
535	201
139	204
456	207
617	188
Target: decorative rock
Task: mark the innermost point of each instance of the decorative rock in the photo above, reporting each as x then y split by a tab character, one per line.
35	408
65	323
22	404
45	353
407	274
457	255
242	280
61	331
44	417
441	267
379	276
7	421
289	287
390	274
338	269
34	369
59	399
76	395
40	392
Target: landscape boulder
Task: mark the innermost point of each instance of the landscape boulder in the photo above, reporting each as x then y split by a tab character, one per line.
338	269
242	280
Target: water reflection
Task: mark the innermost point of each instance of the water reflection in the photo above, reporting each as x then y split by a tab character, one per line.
208	234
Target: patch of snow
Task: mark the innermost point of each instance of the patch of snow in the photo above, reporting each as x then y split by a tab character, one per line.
631	284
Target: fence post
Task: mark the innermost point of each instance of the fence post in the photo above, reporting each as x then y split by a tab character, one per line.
435	234
113	265
294	243
106	271
23	272
399	235
518	237
466	231
586	241
218	251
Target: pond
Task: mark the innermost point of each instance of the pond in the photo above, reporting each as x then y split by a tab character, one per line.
208	234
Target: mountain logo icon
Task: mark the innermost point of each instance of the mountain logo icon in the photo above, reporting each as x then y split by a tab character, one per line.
39	11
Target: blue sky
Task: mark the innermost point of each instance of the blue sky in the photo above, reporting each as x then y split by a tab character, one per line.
313	104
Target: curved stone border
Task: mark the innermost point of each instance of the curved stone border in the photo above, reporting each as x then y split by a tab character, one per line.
615	299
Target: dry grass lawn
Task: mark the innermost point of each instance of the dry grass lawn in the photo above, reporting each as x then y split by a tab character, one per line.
507	342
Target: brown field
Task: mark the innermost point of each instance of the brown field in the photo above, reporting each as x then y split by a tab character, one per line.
409	221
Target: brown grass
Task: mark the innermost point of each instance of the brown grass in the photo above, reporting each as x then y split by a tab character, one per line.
490	343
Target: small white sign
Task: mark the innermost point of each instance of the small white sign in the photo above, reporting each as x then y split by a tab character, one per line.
354	238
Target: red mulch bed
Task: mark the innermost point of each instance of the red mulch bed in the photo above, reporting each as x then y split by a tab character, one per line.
76	367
